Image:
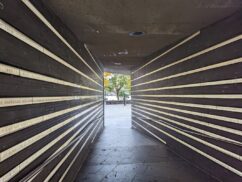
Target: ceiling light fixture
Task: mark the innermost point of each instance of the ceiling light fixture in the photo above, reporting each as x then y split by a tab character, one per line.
125	52
136	34
118	64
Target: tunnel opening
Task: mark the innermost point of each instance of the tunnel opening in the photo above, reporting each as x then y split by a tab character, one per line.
117	99
122	153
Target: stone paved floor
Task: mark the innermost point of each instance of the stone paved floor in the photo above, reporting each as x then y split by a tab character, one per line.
123	154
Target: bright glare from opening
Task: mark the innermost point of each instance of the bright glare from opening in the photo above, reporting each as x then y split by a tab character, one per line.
117	87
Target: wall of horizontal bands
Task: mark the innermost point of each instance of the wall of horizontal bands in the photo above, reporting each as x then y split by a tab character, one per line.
51	96
190	98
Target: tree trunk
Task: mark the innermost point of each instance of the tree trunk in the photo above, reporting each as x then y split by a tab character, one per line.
117	92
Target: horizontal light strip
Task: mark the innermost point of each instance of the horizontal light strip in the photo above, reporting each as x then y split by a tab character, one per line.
22	145
186	130
6	69
213	66
5	130
14	32
89	52
204	106
158	138
76	136
223	118
229	41
10	174
93	139
169	50
202	84
73	136
203	123
237	172
17	101
203	96
53	171
220	149
207	133
77	155
47	23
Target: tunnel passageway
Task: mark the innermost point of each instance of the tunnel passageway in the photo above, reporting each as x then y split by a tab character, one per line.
124	154
184	59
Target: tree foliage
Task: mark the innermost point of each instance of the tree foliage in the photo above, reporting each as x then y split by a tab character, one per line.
120	84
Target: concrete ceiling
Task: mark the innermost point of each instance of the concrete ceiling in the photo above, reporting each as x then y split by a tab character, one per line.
104	25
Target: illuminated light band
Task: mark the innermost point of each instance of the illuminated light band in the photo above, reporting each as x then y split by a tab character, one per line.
229	41
13	172
201	84
6	69
200	122
18	101
226	166
203	96
207	133
14	32
158	138
218	65
5	130
169	50
48	24
78	154
93	139
89	52
204	106
76	136
185	130
53	171
223	118
24	144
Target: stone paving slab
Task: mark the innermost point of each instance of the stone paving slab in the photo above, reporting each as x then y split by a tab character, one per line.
122	154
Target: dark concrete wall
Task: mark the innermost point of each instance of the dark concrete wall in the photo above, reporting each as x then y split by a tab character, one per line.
191	98
51	101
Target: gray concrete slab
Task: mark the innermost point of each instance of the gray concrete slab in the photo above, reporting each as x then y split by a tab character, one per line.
104	26
124	154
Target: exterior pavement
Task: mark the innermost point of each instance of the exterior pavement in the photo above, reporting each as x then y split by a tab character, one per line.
122	154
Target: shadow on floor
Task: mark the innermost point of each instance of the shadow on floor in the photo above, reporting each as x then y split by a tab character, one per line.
122	154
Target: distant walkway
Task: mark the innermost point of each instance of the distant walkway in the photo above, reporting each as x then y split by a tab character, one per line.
123	154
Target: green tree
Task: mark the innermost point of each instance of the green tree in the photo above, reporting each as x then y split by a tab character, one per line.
117	84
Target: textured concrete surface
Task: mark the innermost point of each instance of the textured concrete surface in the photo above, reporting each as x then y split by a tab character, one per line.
105	25
124	154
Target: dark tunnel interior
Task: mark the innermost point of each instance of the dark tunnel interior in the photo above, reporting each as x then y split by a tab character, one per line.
184	122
